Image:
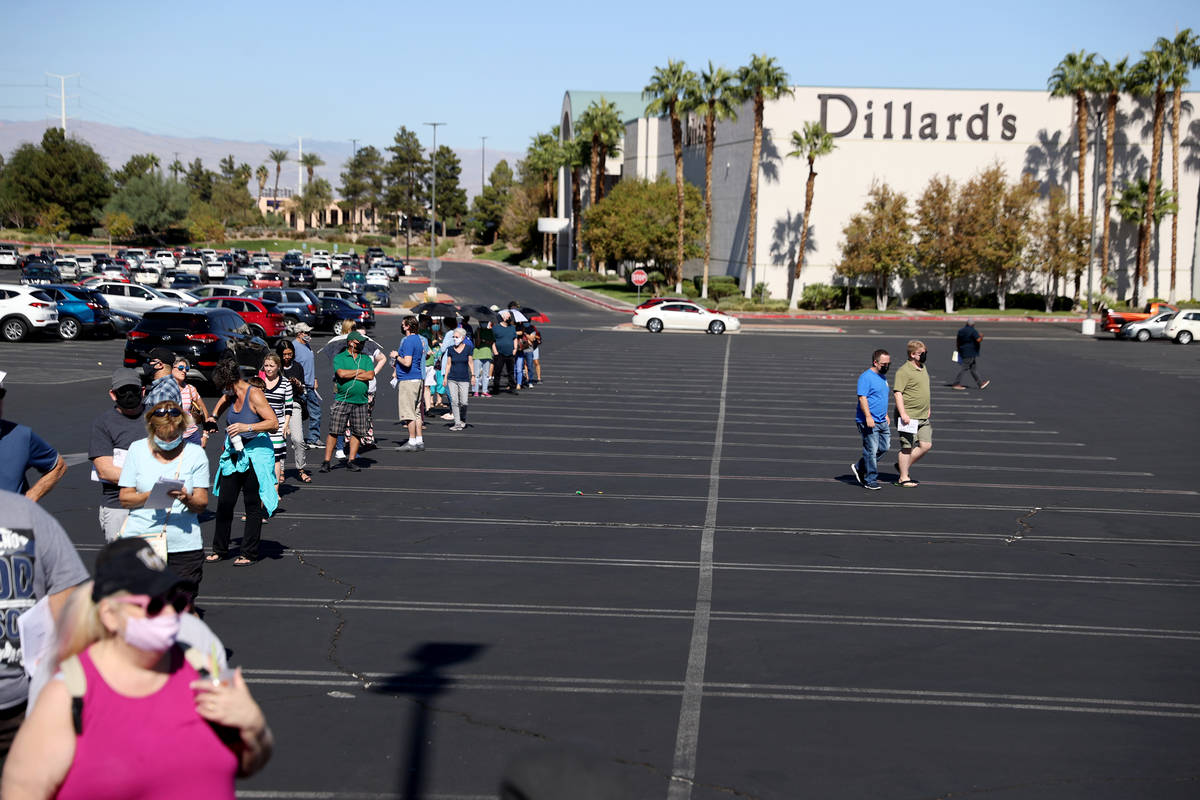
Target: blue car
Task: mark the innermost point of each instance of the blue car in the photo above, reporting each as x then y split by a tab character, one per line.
80	310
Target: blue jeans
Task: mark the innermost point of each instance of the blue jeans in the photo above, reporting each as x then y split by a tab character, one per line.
482	366
314	416
876	442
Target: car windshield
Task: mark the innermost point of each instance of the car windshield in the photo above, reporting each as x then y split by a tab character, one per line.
188	323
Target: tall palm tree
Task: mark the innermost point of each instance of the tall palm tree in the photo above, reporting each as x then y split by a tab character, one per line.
1132	206
278	156
760	80
1073	77
596	124
1149	78
612	130
717	97
1184	54
262	174
667	90
1111	79
310	161
810	145
176	168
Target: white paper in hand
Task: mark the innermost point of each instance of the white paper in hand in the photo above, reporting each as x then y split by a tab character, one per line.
911	427
158	493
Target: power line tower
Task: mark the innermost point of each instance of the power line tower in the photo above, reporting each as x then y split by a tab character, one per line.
62	96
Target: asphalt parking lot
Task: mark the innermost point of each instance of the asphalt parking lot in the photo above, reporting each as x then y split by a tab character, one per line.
654	575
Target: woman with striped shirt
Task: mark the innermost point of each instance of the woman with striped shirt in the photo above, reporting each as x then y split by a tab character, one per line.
278	390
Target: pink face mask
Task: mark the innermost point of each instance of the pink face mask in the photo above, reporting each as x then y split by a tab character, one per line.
152	634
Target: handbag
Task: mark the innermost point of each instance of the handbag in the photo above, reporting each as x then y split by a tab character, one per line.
157	539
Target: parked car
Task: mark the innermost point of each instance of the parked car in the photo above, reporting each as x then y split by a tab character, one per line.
291	260
1184	326
201	335
240	255
684	317
115	271
134	255
303	278
357	298
101	259
1144	330
241	281
192	266
214	270
262	316
87	264
24	309
321	268
1112	320
296	305
377	277
68	268
217	290
165	258
378	297
9	255
122	322
148	273
655	301
353	279
374	255
182	295
80	311
39	273
335	310
185	280
391	266
267	280
132	298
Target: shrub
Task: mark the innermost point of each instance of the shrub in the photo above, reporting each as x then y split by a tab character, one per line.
374	240
820	296
478	251
499	246
577	275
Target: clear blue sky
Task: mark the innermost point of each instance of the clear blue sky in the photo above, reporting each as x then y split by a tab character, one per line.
272	71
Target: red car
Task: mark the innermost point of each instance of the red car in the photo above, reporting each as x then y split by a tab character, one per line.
261	316
268	280
114	278
653	301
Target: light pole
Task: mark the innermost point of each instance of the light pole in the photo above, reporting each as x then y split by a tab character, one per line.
482	159
1095	193
433	201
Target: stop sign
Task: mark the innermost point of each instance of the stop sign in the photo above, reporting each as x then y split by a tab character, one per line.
638	278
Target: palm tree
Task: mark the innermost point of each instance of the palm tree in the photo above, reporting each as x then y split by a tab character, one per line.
596	124
612	130
668	89
810	145
310	161
262	174
176	168
1149	77
278	156
1184	54
1110	79
1074	77
760	80
1133	207
717	97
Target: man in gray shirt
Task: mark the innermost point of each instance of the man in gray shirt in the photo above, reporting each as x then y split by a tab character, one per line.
112	434
39	561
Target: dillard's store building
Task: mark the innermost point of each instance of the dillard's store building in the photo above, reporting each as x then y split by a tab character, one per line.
902	137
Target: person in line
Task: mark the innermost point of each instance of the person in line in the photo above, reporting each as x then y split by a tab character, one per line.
29	536
247	464
128	695
163	455
312	395
870	414
113	432
353	372
191	402
910	387
519	360
163	386
533	357
483	359
409	359
504	352
278	391
21	450
967	344
459	376
372	348
295	375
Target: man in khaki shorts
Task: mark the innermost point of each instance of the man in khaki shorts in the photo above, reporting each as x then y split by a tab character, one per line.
409	359
911	390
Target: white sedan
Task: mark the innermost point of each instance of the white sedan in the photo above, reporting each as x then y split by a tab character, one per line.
377	277
678	316
148	274
1184	327
322	270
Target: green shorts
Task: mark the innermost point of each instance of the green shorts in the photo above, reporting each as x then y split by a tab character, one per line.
924	435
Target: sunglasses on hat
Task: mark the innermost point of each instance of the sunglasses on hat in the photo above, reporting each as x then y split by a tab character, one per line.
153	606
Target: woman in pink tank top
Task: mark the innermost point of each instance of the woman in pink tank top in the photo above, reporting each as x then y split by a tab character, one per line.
148	724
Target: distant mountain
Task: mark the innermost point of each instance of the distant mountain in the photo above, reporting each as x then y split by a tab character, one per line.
116	145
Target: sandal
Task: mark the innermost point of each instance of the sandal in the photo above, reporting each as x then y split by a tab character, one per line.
908	484
305	477
242	561
213	558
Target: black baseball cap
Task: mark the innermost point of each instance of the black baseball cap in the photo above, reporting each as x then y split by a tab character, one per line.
161	354
131	565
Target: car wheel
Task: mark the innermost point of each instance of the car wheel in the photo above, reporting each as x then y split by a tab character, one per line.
654	325
1183	337
68	328
1143	335
336	327
14	329
716	327
289	320
257	331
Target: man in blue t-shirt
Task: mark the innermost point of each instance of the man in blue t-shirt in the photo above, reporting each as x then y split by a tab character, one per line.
409	359
20	449
871	417
505	351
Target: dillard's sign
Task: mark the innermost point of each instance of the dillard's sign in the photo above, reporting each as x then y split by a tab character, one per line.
891	122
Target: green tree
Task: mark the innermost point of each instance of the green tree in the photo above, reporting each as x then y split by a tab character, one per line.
717	97
232	204
315	198
406	174
487	209
20	187
138	164
540	166
53	222
1132	206
520	217
1183	54
63	172
152	202
810	145
119	226
1075	76
939	253
278	156
1061	243
204	226
362	183
576	153
667	91
760	80
600	124
176	169
1110	80
994	225
228	167
310	161
199	181
262	175
451	197
879	242
1148	78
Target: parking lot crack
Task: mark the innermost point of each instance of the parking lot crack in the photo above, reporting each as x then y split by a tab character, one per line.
1023	526
335	638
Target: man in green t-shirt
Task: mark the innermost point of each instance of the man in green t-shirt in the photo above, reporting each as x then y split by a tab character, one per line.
911	390
353	372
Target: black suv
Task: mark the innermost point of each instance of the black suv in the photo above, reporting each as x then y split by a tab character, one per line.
302	278
201	335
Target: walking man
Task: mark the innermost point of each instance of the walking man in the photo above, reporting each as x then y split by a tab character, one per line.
968	343
353	372
112	434
871	416
410	380
304	357
913	409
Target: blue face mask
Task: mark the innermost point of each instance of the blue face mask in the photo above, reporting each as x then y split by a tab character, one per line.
168	445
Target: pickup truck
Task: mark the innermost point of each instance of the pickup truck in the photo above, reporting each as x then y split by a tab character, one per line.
1112	321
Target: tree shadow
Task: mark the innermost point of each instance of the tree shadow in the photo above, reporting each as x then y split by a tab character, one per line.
785	244
423	684
1050	161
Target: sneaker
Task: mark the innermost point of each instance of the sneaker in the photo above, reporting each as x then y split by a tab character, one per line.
350	465
958	387
420	448
447	416
408	447
984	385
324	467
313	445
874	487
458	427
486	394
857	475
340	455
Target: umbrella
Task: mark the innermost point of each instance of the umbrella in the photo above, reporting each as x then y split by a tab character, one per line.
534	315
517	316
481	313
436	309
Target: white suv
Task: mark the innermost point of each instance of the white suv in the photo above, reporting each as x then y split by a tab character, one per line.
68	268
8	255
192	266
23	308
1184	326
